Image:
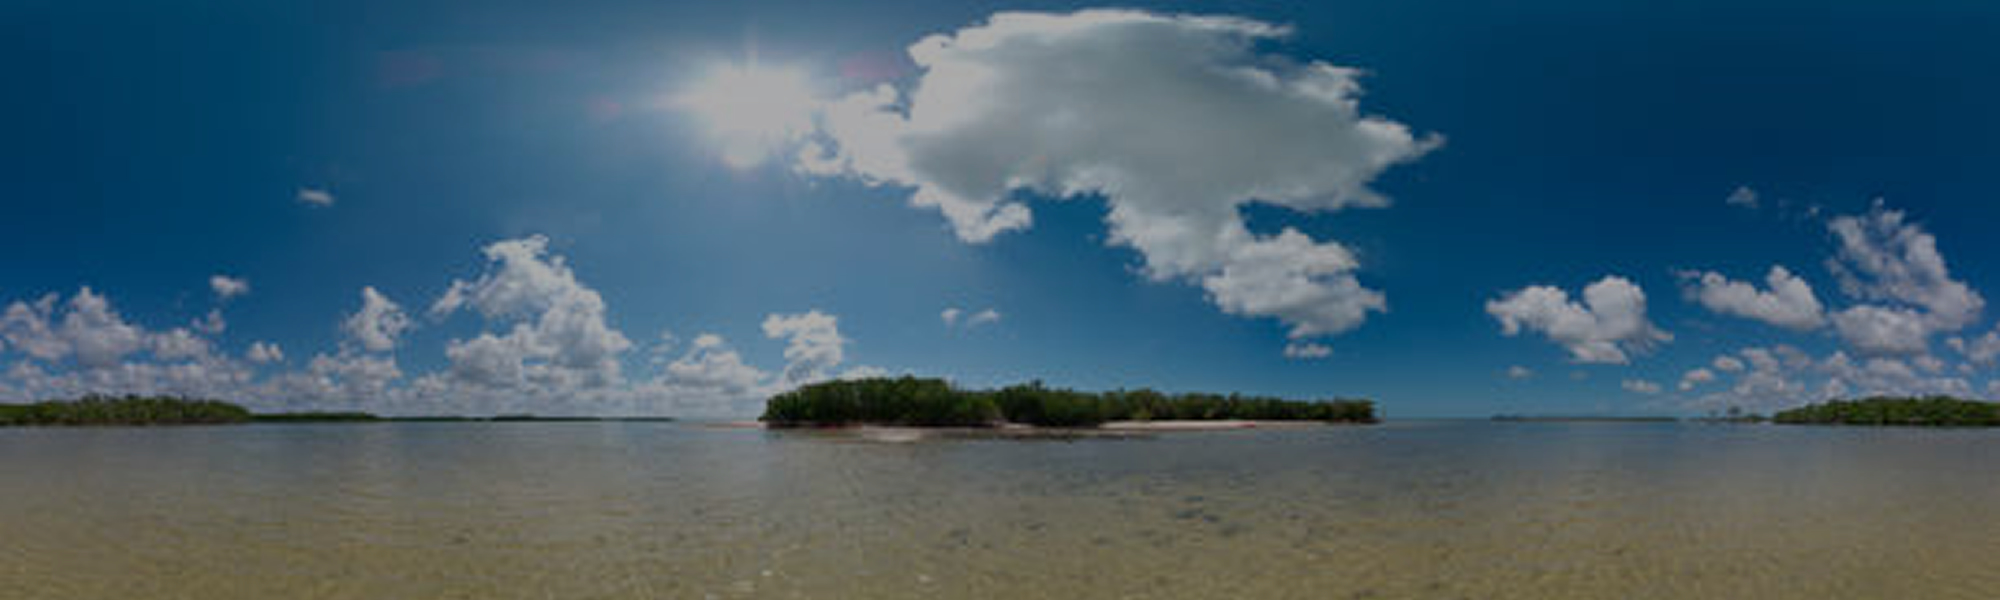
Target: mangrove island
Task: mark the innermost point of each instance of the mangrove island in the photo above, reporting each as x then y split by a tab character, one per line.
127	410
1933	411
928	402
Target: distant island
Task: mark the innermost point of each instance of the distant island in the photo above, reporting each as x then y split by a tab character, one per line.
929	402
168	410
1583	419
1933	411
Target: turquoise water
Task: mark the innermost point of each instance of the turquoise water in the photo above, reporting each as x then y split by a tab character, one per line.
657	510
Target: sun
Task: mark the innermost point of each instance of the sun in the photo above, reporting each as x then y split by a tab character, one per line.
753	111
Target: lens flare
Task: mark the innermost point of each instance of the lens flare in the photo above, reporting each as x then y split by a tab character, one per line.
752	111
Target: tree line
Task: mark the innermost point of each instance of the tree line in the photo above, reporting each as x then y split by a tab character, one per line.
171	410
123	410
931	402
1938	411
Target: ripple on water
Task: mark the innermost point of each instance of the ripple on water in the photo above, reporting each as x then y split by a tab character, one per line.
628	510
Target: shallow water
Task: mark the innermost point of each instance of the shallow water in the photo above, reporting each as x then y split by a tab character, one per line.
654	510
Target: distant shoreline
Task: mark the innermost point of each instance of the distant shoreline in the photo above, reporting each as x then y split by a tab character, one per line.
1582	419
147	411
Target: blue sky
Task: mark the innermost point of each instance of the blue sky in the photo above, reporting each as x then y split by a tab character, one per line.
152	147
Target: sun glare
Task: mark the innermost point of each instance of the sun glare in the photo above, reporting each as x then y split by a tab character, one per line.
752	111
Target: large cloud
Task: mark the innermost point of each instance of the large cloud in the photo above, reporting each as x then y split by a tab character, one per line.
1896	267
1788	302
557	339
1176	121
1606	327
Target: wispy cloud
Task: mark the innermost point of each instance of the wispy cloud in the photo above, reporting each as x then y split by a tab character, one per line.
315	197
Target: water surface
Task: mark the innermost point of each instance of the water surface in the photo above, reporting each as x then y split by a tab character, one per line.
656	510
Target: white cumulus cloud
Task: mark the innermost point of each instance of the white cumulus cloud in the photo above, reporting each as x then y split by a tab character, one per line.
378	324
555	337
89	331
264	353
226	287
211	323
1782	376
1877	331
1176	122
1606	327
1696	377
547	349
1984	349
1788	301
1896	267
85	346
709	379
813	344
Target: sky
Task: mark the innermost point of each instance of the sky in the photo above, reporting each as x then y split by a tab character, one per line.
1452	208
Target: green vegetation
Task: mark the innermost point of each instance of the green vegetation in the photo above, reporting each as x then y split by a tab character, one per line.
919	402
127	410
904	401
1934	411
161	410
